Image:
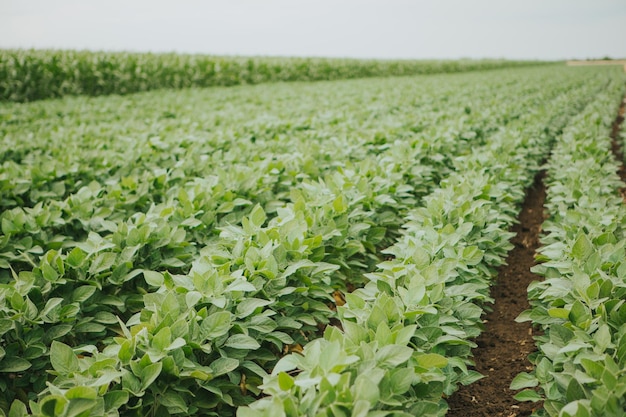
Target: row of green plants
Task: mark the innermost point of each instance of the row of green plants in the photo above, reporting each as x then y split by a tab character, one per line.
28	75
404	340
331	221
580	365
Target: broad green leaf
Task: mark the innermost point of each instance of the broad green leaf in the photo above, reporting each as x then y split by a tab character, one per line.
102	262
162	339
127	351
76	257
174	403
366	389
83	293
63	358
14	364
582	248
149	374
431	360
217	324
249	305
113	400
242	341
18	409
81	392
393	355
579	314
223	365
285	382
153	278
523	380
528	395
49	273
53	405
79	406
257	216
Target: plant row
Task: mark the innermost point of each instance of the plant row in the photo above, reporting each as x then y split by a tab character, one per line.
28	75
580	366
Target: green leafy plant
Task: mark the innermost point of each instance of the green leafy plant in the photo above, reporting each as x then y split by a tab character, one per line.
579	305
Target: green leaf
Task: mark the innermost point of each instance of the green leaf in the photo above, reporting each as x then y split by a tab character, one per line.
583	248
80	406
49	273
249	305
472	255
578	313
223	365
14	364
63	358
242	341
574	391
58	331
149	374
393	355
603	337
18	409
560	313
174	403
528	395
82	293
523	380
162	339
217	324
81	392
286	363
153	278
127	351
575	409
76	257
431	360
102	262
595	369
400	380
257	216
53	405
5	326
285	382
113	400
366	389
51	304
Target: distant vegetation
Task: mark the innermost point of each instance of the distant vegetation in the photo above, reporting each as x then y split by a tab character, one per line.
28	75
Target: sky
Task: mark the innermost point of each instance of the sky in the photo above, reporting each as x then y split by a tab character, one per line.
412	29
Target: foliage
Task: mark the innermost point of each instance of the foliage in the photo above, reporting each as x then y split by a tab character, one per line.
580	304
188	252
28	75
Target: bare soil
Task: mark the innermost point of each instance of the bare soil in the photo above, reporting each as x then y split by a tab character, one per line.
617	145
504	346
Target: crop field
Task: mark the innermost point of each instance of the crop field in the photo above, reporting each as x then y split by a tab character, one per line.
308	248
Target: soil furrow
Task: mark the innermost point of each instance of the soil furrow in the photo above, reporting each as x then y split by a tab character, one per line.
504	345
617	144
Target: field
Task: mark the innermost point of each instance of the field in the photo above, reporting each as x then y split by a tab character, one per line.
309	248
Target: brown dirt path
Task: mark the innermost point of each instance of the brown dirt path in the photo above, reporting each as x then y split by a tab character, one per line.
617	146
504	346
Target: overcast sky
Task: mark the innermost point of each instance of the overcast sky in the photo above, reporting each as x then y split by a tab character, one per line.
543	29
